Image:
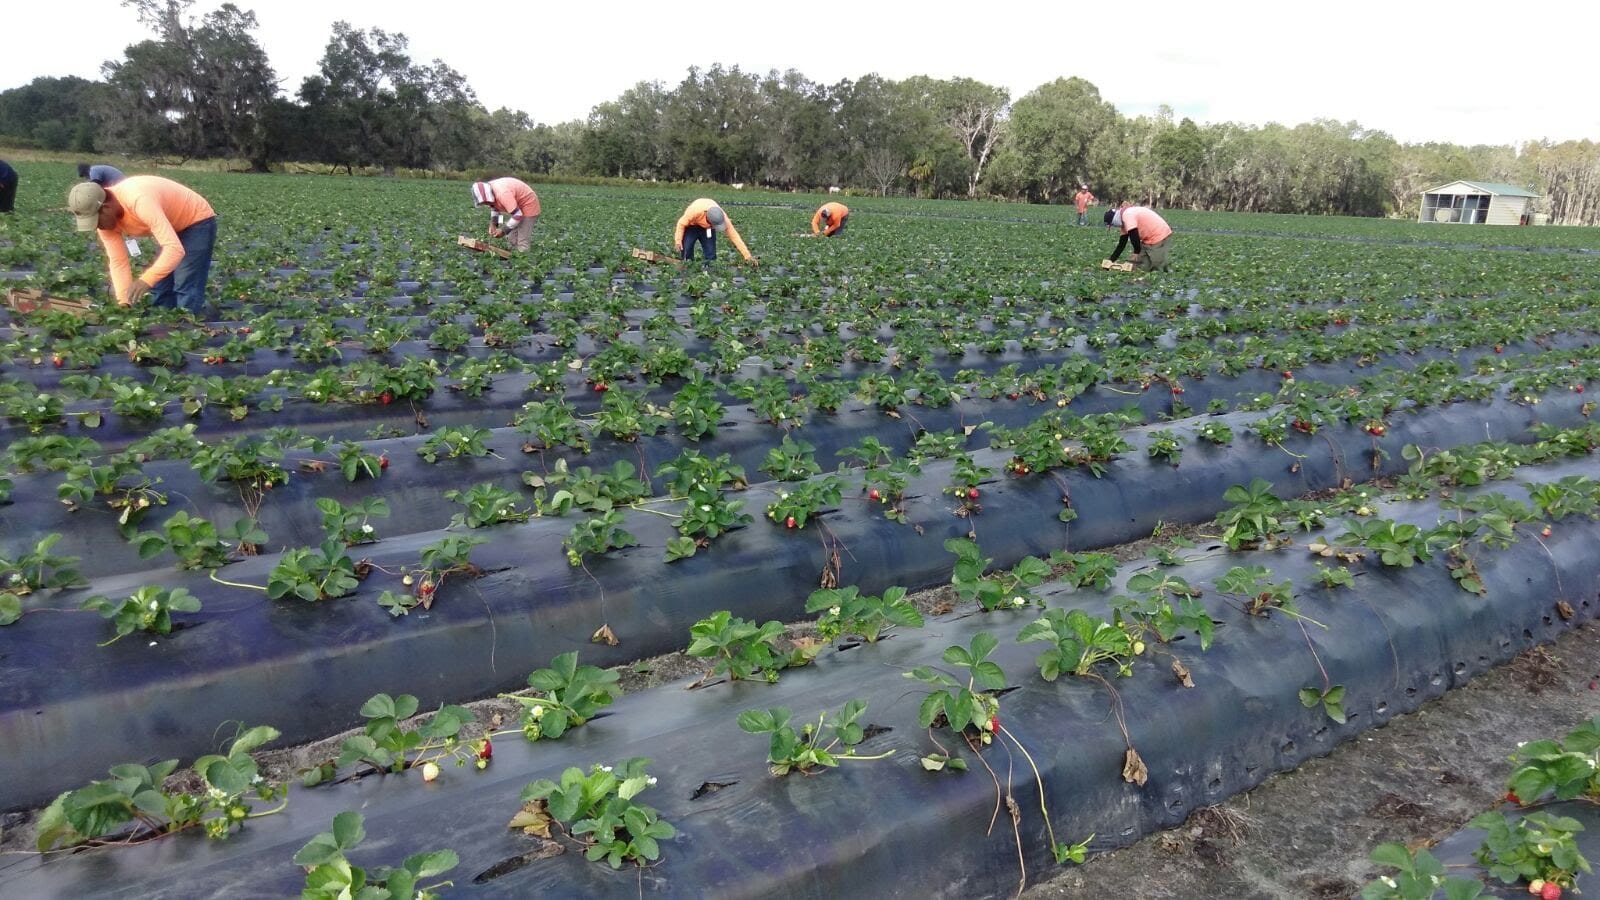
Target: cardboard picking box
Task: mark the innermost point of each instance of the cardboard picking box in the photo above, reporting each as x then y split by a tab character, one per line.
1116	266
481	247
31	300
650	256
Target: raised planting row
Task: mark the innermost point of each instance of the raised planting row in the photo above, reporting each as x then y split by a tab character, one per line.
482	612
279	485
948	761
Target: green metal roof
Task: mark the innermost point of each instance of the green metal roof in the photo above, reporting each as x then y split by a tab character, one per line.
1495	187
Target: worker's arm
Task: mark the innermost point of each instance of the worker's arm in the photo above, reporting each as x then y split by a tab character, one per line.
677	235
738	242
816	222
171	248
117	262
1121	243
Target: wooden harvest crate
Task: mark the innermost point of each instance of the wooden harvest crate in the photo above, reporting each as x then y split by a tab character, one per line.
1116	266
481	247
32	300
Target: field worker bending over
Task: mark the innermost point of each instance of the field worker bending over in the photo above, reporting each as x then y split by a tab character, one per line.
1150	234
700	224
180	220
8	187
513	209
103	175
829	220
1082	199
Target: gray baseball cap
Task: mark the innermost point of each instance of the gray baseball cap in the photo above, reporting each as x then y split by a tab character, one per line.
717	217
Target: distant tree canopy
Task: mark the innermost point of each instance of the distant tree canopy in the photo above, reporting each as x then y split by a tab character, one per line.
203	87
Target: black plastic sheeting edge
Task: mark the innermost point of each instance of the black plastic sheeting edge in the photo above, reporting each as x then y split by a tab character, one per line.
1456	850
306	668
888	829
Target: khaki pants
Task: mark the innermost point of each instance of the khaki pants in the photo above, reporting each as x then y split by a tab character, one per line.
518	238
1155	257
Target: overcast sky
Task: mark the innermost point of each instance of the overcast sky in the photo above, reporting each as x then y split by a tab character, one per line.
1462	71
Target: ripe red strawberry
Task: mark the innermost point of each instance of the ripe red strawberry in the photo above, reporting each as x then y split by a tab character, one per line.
972	494
1499	348
789	522
1177	391
873	494
1014	396
994	722
383	462
1545	532
1511	797
1288	374
1552	891
1576	389
58	361
488	750
386	398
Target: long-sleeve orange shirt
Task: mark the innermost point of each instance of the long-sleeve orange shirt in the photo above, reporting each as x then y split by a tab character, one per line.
514	200
152	206
695	217
836	213
1082	199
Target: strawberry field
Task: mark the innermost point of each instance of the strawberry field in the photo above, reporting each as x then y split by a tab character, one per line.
390	477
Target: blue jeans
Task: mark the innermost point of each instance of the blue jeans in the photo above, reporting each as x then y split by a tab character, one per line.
1083	218
185	288
705	237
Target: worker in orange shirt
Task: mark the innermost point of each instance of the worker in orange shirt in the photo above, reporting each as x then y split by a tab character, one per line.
1150	234
1082	199
513	209
700	223
829	220
180	220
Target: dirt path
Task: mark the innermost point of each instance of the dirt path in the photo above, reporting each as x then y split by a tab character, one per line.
1307	833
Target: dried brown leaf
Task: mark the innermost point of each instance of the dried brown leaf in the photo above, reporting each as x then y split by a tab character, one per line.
1133	768
1182	672
604	635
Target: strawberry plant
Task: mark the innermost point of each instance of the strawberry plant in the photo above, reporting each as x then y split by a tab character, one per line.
563	697
387	747
121	483
355	462
1395	543
486	504
962	706
148	609
1152	610
1260	594
596	808
1252	521
628	417
1165	445
324	573
847	611
597	535
1085	569
549	424
331	876
814	745
1009	590
706	514
1330	698
456	442
1538	846
690	471
1418	876
1565	769
351	525
803	502
742	650
1080	642
36	570
696	410
791	461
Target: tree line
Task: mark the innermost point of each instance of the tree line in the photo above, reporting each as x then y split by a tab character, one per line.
203	87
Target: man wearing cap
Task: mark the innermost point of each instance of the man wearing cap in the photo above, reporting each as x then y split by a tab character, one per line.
8	187
1082	199
179	219
829	220
700	223
103	175
1150	234
513	209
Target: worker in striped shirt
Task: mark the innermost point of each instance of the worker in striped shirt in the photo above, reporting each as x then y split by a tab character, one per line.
513	209
829	220
179	219
1150	234
700	223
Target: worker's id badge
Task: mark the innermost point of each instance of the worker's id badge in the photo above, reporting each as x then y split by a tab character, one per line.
709	231
133	246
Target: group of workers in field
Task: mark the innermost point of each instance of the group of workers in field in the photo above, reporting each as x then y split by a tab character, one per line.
122	208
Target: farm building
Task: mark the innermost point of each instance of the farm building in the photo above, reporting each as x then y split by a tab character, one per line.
1477	203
